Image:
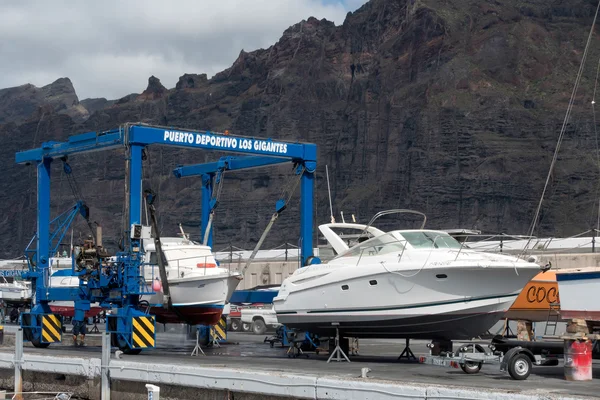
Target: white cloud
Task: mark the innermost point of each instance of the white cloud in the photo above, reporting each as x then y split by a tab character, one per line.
110	48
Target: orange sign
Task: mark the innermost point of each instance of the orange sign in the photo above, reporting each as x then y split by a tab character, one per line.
539	293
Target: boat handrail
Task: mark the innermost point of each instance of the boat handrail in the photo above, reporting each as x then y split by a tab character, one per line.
402	242
393	211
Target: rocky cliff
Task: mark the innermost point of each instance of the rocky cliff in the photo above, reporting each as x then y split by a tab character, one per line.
450	107
25	102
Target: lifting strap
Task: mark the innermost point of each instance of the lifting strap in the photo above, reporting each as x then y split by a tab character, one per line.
160	257
167	301
286	195
214	202
77	192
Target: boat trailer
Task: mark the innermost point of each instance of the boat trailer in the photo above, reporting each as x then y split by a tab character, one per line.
514	357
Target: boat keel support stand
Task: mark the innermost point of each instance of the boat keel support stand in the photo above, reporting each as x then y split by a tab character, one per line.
197	349
407	352
338	354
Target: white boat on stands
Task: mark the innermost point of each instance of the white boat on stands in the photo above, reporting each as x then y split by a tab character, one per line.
15	291
578	293
199	287
402	284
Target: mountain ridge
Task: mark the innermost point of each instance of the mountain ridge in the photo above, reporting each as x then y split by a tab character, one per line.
449	107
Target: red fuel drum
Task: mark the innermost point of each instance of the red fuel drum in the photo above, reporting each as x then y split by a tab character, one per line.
578	360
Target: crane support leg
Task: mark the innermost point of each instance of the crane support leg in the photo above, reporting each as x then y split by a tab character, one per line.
135	184
207	192
306	215
43	227
37	322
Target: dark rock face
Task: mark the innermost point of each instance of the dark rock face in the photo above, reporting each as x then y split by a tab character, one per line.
155	90
21	103
93	105
449	107
191	81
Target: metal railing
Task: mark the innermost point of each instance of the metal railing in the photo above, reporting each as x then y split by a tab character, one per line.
501	243
181	270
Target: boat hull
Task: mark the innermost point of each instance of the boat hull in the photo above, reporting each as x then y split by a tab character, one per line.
14	294
193	315
578	289
444	303
196	301
427	322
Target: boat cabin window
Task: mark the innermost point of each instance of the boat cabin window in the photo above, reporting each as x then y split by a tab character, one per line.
377	246
430	240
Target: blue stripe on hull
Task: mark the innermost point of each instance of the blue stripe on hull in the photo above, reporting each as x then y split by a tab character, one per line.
577	276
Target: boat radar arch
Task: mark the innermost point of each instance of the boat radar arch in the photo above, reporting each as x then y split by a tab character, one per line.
394	211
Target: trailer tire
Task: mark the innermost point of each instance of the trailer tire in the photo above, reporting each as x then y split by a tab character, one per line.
38	344
236	325
259	327
117	341
246	327
519	367
471	367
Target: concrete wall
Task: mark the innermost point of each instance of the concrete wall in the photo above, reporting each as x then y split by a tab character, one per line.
89	389
564	261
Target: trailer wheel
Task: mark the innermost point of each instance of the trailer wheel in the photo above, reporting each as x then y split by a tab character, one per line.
259	327
246	327
119	342
519	367
37	343
236	325
470	367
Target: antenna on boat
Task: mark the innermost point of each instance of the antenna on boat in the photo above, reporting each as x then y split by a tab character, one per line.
146	210
329	192
342	213
353	218
183	234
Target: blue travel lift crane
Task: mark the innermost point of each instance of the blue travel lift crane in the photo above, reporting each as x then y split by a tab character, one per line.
118	284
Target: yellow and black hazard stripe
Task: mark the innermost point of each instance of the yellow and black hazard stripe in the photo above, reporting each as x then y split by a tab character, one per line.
219	330
143	332
51	328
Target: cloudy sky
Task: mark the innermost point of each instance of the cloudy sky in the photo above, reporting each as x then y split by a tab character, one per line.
109	48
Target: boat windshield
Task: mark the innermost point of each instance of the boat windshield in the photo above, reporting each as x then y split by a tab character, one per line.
377	246
430	240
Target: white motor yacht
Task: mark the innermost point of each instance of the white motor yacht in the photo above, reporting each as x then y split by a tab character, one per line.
402	284
199	286
15	291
